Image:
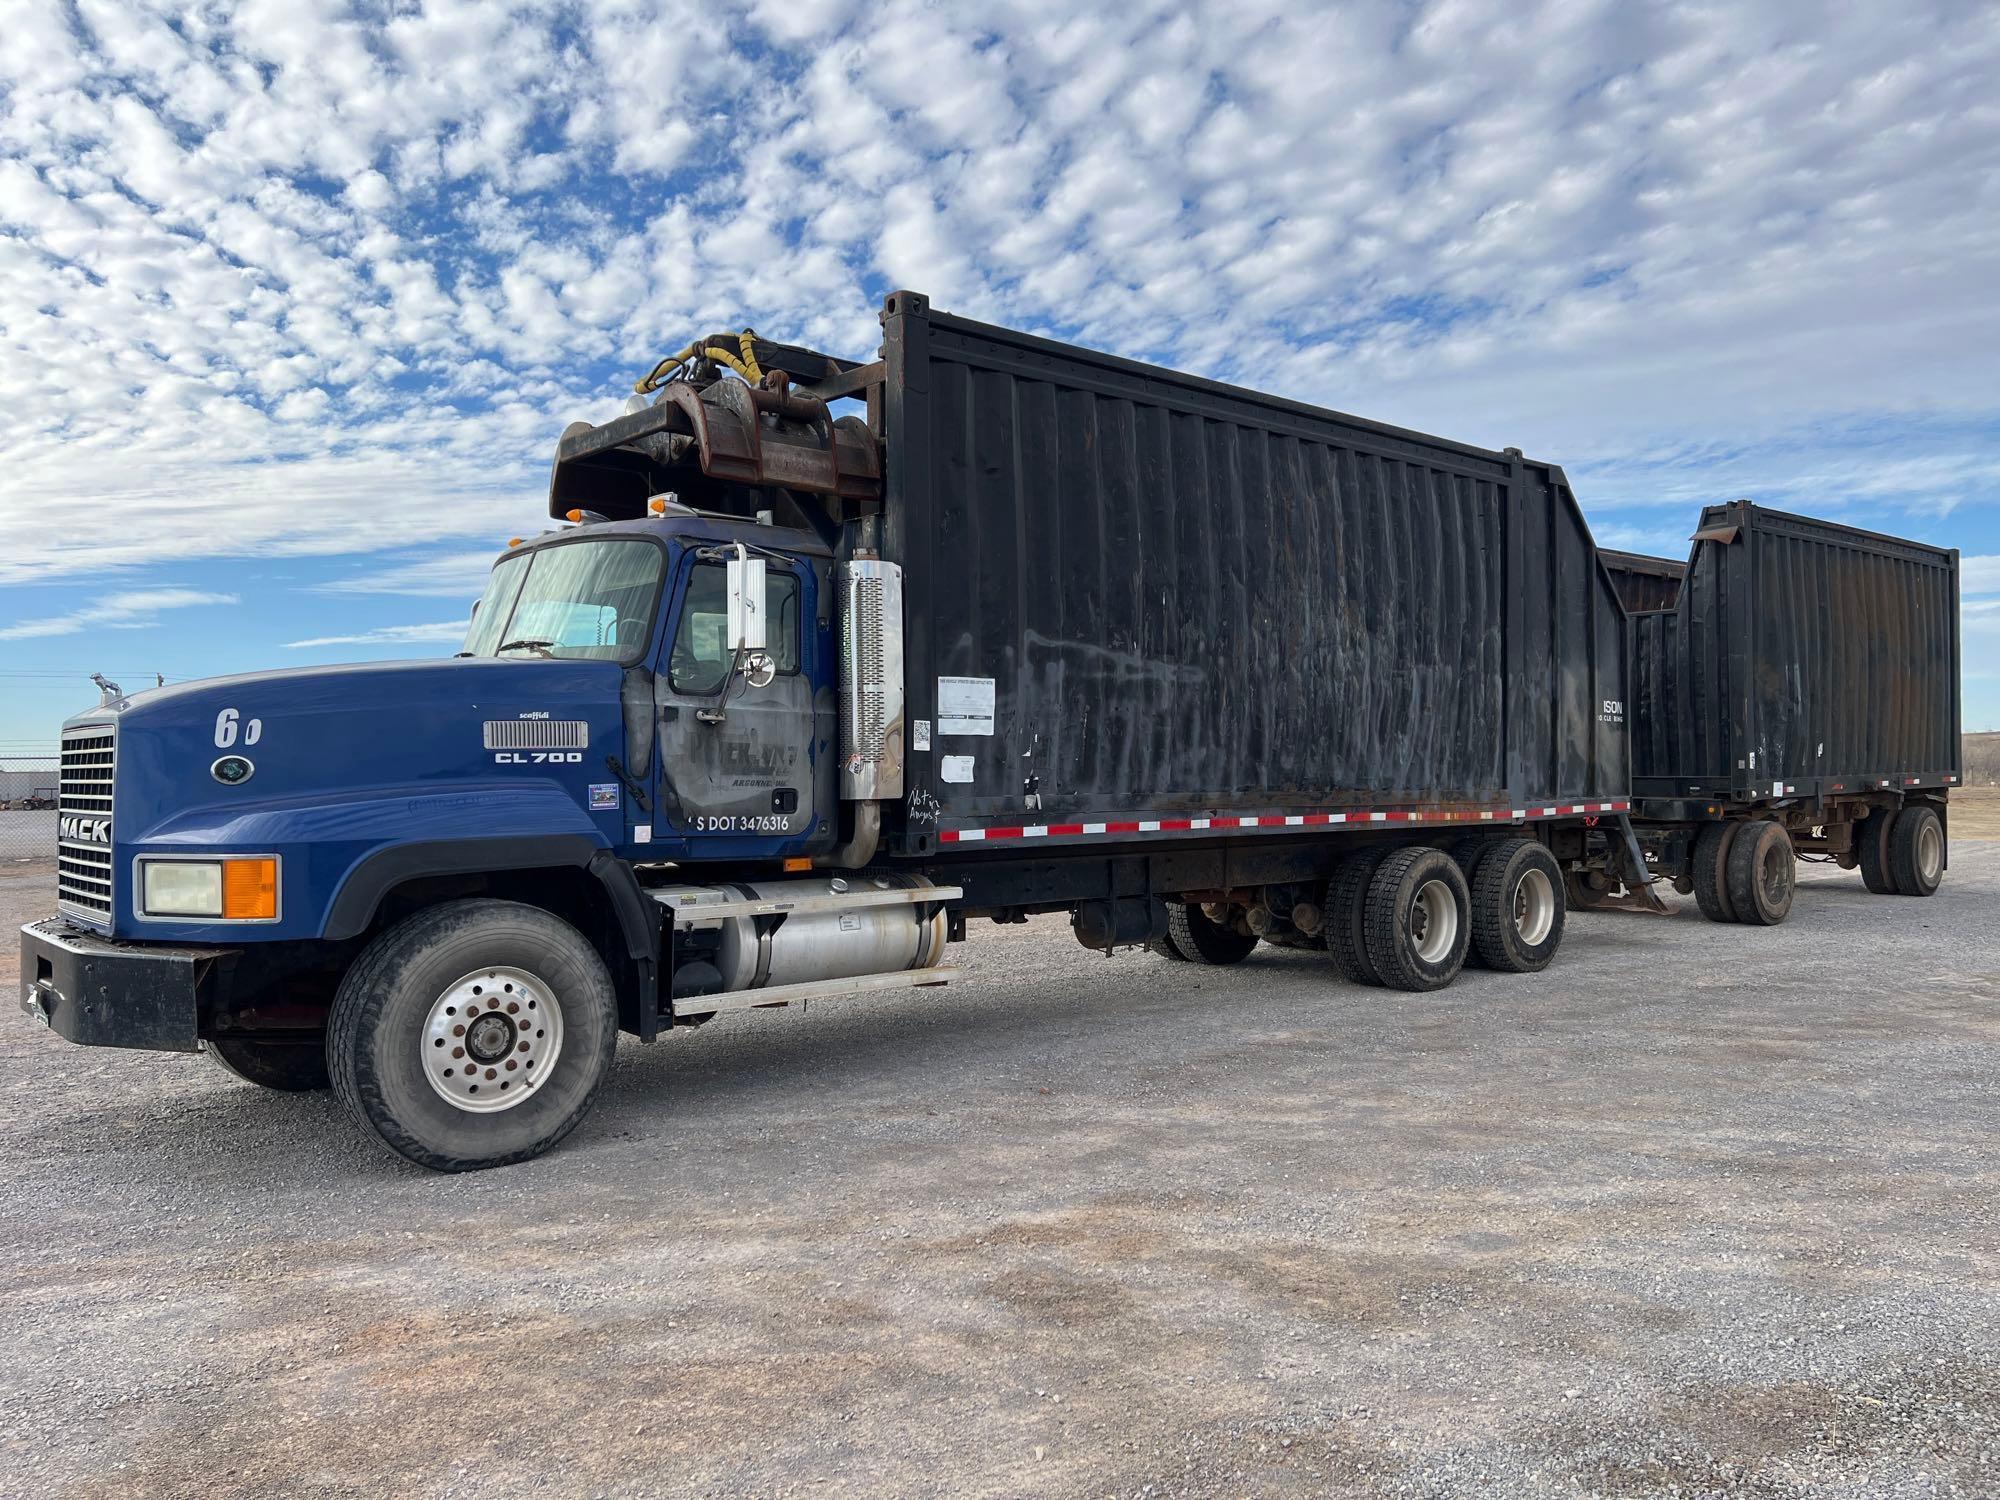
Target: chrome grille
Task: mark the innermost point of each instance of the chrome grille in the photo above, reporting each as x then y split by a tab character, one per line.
83	806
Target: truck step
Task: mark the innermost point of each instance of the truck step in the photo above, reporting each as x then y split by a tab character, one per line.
818	989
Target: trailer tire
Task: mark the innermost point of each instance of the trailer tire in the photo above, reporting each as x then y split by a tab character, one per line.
1871	838
1346	927
1417	919
402	991
289	1067
1203	941
1468	853
1763	873
1916	850
1711	871
1517	907
1164	946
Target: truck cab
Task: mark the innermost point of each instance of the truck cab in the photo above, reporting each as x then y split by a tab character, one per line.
628	800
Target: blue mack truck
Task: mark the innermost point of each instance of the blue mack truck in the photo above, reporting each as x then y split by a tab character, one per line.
789	696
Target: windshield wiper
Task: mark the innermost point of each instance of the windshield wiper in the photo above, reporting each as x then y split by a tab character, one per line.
527	645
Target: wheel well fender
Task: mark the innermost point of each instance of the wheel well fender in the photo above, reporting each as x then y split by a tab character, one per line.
361	894
566	874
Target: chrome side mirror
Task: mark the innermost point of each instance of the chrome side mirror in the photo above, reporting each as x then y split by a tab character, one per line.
744	581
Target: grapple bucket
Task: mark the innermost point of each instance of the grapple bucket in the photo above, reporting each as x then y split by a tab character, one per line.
729	432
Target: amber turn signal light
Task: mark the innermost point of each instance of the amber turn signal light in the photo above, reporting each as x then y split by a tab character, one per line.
249	889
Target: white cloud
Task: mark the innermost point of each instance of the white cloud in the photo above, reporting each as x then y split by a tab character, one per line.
134	610
1979	575
452	575
444	632
274	279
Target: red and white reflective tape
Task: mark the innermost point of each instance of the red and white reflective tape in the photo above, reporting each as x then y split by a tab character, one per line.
1272	820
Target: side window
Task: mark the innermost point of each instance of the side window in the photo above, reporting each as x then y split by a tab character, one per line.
782	637
700	660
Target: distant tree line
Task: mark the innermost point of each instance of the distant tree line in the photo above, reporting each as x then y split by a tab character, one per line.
1982	759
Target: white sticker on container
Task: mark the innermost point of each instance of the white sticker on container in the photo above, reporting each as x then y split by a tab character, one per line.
920	734
955	768
965	705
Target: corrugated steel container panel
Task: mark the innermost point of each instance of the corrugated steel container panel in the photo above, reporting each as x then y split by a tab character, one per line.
1800	654
1644	582
1192	599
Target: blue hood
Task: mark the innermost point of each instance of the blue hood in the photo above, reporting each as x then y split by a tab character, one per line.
349	760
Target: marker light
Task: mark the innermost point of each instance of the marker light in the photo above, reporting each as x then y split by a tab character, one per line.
249	890
573	515
515	541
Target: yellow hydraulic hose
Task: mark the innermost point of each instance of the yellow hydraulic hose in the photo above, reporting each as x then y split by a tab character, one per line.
744	362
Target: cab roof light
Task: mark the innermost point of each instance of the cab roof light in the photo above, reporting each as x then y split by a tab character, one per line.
515	541
584	517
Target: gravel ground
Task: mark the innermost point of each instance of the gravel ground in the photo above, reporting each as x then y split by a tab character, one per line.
1704	1210
26	835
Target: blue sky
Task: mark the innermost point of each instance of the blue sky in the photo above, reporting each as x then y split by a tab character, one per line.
295	297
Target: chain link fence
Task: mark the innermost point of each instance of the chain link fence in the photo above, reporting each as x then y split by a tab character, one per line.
27	808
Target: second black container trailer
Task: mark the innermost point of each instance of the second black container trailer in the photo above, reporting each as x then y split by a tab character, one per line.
1795	689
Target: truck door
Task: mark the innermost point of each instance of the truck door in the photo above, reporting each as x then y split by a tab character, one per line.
745	768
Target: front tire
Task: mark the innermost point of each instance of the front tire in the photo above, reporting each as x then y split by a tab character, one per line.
439	1027
288	1067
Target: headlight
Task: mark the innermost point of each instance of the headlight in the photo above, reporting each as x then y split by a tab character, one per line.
230	890
182	888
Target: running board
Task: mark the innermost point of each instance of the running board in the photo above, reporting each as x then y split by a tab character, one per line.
818	989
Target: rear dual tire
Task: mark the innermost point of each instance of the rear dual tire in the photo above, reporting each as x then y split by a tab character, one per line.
1415	922
1517	907
1346	926
1199	938
1745	872
1871	835
1916	850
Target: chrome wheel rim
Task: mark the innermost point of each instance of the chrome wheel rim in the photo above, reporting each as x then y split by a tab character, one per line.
1433	922
1534	907
1930	852
491	1039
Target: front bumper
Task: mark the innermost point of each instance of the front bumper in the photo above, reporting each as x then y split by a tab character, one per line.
101	993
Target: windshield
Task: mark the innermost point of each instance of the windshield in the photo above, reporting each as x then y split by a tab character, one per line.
578	599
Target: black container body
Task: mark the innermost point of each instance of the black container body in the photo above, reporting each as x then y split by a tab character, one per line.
1644	582
1193	601
1802	658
